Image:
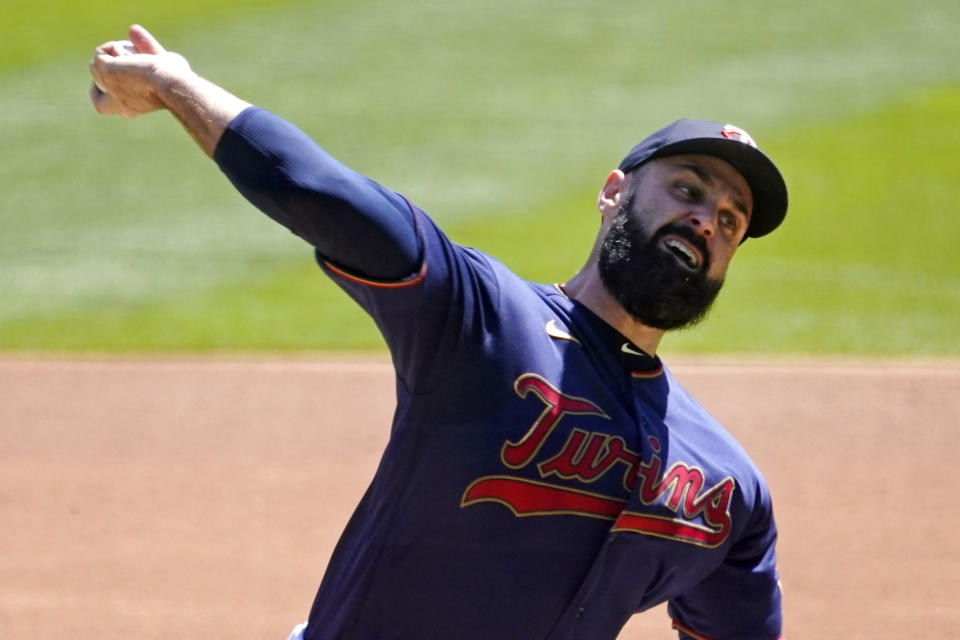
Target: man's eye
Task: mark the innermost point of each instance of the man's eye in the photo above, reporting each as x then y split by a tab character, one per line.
729	221
689	190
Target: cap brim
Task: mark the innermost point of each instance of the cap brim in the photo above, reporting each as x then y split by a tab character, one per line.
767	185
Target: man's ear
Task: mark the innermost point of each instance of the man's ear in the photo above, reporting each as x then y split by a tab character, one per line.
612	195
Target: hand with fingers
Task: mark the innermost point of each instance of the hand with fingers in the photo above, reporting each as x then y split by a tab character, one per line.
128	73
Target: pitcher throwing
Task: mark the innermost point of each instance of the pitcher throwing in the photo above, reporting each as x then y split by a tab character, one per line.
546	476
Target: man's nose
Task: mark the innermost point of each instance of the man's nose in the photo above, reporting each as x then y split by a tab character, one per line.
703	221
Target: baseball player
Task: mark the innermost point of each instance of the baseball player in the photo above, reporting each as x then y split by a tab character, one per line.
546	477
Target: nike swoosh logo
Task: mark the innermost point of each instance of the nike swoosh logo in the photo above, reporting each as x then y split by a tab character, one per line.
626	348
556	332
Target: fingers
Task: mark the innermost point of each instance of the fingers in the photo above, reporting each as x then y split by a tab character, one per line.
121	71
96	73
98	97
143	41
102	101
116	48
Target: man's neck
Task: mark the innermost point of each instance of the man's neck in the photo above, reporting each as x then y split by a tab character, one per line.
587	289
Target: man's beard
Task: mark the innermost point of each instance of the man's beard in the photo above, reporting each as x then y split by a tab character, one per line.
646	279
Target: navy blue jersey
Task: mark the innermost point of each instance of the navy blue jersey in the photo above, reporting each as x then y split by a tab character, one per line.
544	478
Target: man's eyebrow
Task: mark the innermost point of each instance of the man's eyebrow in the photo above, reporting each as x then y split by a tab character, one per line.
700	171
706	177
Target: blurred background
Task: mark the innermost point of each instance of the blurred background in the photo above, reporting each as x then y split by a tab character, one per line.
501	119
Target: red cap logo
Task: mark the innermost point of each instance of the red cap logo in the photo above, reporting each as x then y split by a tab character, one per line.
736	133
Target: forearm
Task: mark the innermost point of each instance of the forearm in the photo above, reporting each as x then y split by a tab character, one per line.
204	109
350	219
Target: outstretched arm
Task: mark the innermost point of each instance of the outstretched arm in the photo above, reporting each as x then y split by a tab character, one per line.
352	221
139	76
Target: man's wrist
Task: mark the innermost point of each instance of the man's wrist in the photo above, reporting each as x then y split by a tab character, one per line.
172	85
203	108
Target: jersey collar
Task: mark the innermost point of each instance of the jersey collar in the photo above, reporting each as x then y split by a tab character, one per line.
634	360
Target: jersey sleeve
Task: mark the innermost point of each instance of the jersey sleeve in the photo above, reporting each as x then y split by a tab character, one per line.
350	219
741	598
436	319
429	297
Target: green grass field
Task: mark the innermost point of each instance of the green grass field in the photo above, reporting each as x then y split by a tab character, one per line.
501	119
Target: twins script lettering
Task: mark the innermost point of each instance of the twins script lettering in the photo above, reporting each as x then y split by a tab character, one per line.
698	514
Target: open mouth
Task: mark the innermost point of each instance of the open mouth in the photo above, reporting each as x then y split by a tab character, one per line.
685	252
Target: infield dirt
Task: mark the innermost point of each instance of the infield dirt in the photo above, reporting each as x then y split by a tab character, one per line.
200	498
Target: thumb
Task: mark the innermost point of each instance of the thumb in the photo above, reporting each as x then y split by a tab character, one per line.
143	41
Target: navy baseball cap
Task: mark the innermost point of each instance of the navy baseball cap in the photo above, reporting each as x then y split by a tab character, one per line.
729	143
